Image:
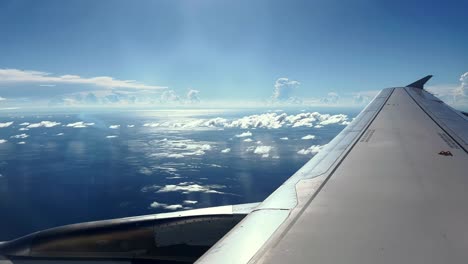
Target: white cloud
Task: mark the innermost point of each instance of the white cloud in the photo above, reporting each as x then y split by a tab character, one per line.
308	137
284	138
361	99
80	124
26	76
151	124
244	134
189	187
262	150
25	124
2	98
181	148
60	134
2	141
23	129
190	202
227	150
192	96
169	96
166	206
173	207
168	155
248	140
267	120
7	124
284	89
331	98
20	136
157	205
114	126
453	94
47	124
333	119
21	143
311	150
130	126
111	136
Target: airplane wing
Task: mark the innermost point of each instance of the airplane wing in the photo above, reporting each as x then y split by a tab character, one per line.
392	187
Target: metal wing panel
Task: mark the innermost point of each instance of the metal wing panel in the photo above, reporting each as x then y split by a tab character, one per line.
393	199
453	122
248	237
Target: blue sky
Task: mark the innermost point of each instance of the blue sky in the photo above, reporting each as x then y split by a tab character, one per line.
234	50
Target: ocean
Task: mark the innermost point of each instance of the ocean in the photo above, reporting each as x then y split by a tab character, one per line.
61	167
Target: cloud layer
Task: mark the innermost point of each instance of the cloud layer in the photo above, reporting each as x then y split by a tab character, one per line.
48	79
185	188
267	121
311	150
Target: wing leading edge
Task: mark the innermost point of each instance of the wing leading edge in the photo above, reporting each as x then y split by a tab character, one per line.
380	192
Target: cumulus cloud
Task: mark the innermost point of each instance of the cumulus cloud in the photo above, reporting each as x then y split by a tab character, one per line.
190	202
7	124
47	124
80	124
181	148
173	207
60	134
24	124
463	90
2	141
284	138
130	126
190	187
169	96
21	143
311	150
308	137
20	136
112	136
151	124
227	150
267	120
453	94
166	206
114	126
192	96
284	89
360	99
44	78
244	134
331	98
264	151
248	140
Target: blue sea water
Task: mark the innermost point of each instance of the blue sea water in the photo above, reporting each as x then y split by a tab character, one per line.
119	163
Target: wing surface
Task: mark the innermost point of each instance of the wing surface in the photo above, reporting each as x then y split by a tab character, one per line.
391	188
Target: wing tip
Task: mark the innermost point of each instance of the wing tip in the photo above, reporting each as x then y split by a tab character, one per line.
420	83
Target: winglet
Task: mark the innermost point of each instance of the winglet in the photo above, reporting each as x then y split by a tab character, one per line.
420	83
